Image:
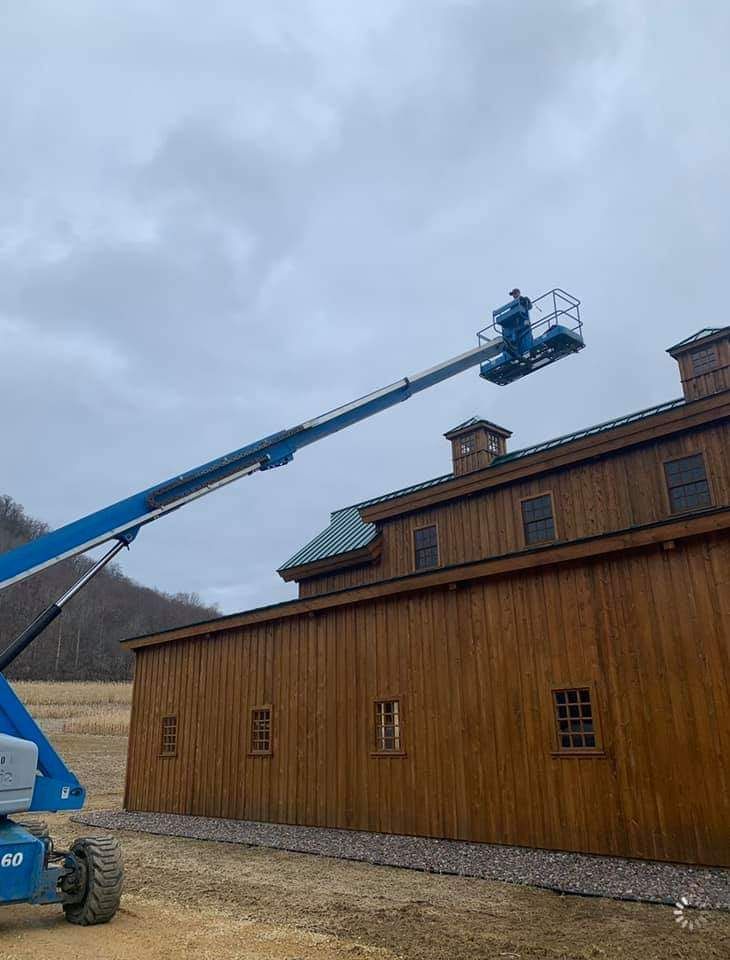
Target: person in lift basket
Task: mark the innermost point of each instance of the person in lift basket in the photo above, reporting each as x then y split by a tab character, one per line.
524	301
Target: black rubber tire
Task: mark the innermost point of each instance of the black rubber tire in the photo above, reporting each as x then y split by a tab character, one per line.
101	858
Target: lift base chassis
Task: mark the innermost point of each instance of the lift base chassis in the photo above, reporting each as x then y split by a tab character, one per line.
26	873
87	879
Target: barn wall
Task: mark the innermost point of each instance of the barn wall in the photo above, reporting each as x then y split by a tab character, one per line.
473	668
613	493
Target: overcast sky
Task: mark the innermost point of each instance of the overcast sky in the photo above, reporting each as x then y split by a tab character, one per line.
219	219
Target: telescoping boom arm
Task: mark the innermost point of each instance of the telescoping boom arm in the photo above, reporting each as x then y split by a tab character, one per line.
123	520
512	349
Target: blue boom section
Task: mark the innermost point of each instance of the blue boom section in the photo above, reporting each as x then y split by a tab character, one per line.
56	788
513	348
122	520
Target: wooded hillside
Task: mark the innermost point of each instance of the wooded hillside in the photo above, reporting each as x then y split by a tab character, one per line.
83	644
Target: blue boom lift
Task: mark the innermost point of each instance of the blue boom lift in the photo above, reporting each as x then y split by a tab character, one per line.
87	878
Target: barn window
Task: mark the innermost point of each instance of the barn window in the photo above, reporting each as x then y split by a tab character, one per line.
388	719
467	444
169	737
576	728
537	519
494	443
426	547
704	361
687	483
261	731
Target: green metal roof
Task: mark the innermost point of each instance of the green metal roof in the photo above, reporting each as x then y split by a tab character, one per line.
347	531
700	335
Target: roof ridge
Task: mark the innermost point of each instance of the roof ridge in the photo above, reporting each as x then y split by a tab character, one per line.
467	423
585	431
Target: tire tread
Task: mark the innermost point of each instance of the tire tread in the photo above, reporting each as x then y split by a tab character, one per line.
104	881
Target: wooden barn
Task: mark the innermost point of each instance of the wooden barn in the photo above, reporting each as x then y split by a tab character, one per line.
532	649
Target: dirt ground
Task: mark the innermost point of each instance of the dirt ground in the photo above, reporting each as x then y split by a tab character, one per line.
224	901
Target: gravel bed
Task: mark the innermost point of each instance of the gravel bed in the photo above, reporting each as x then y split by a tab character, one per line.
576	873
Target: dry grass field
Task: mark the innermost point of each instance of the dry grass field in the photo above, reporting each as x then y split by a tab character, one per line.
95	708
223	901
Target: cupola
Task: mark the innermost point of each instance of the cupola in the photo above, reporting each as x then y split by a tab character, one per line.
475	444
704	362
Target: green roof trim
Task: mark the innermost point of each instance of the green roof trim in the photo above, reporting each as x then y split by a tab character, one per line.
347	531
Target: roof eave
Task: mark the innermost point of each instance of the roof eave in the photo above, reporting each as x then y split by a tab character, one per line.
690	343
351	558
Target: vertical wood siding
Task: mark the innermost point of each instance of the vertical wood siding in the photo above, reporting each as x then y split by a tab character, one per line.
592	498
706	383
481	455
474	668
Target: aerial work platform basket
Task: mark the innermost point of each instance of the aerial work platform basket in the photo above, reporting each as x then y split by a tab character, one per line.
532	344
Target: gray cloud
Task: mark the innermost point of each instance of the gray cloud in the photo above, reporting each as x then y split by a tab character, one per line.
218	222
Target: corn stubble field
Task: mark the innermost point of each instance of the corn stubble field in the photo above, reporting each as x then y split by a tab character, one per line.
95	708
224	901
